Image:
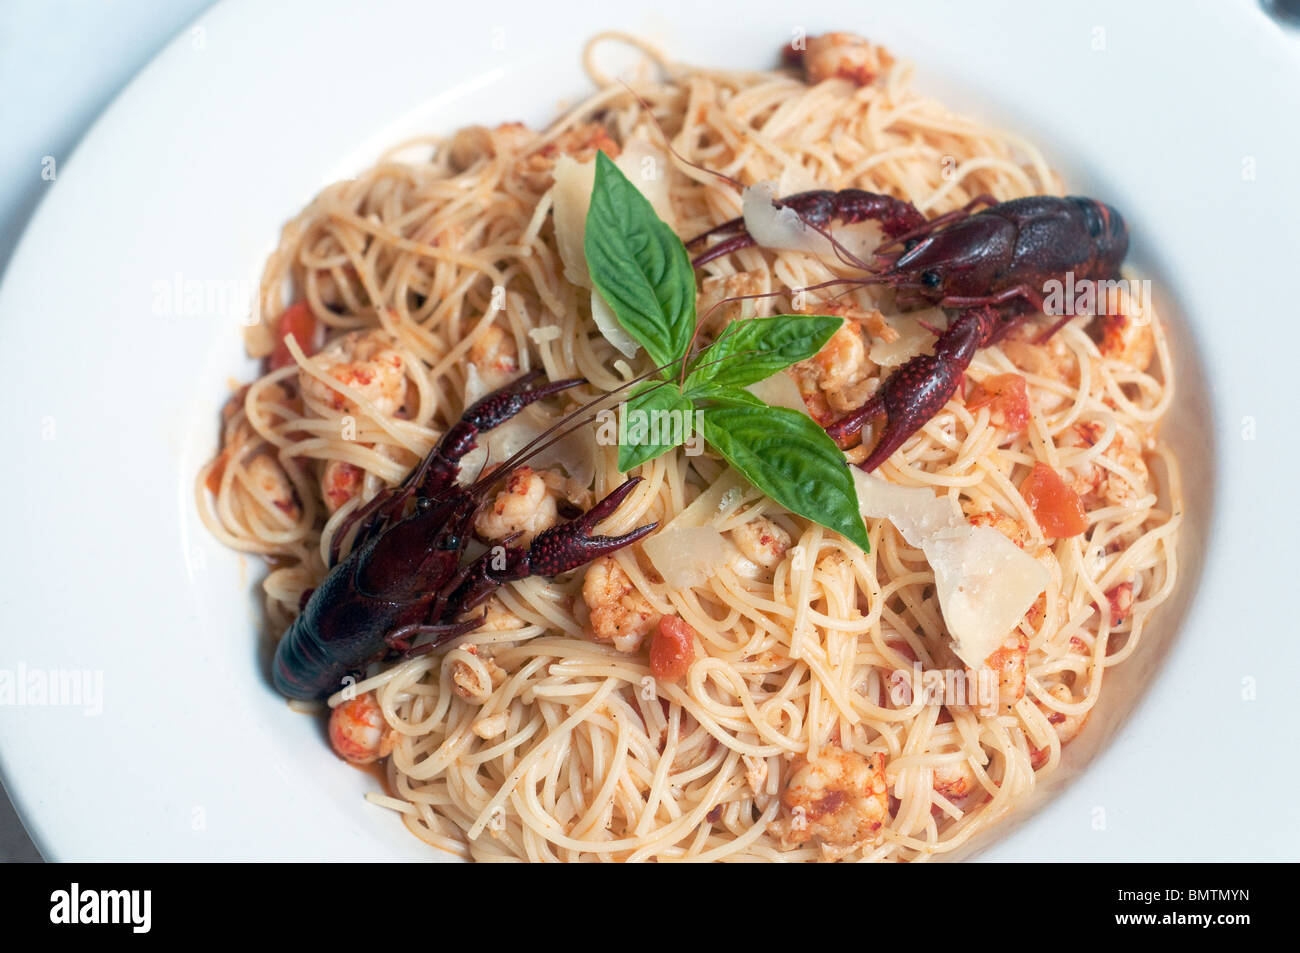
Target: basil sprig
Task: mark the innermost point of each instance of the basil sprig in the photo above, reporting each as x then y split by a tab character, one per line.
641	268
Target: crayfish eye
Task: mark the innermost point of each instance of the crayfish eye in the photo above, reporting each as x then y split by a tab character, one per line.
423	504
931	279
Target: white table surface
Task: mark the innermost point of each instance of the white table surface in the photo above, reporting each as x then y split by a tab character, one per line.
61	63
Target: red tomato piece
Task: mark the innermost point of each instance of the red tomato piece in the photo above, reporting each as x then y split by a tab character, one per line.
1057	508
1008	398
672	649
299	321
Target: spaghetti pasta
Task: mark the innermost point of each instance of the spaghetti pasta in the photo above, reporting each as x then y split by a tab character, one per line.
438	276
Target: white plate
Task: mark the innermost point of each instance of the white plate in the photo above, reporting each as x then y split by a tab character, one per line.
111	400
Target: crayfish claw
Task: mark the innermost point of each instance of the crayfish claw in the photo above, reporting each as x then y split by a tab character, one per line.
569	546
918	390
500	405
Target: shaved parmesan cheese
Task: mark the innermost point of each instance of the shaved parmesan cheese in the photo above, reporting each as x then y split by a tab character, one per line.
475	386
774	227
913	338
575	453
646	167
984	582
860	239
779	390
713	504
607	323
690	549
688	555
570	198
916	511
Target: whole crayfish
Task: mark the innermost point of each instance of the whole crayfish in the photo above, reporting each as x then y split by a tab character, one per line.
406	575
990	266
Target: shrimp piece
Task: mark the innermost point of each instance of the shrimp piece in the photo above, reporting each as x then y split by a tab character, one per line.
268	477
762	542
755	773
1051	359
358	732
525	507
844	56
511	137
1010	663
1096	483
840	798
494	353
339	482
476	683
619	613
1120	599
1127	340
1125	333
367	362
954	779
838	378
581	142
720	288
497	618
492	726
1008	526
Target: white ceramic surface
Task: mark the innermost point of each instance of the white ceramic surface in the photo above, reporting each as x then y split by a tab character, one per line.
110	397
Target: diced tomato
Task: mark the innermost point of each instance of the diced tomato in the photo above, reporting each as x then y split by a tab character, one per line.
672	649
1008	397
1057	508
299	321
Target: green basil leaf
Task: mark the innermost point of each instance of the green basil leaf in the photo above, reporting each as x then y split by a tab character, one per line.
639	266
708	393
789	458
656	418
755	349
